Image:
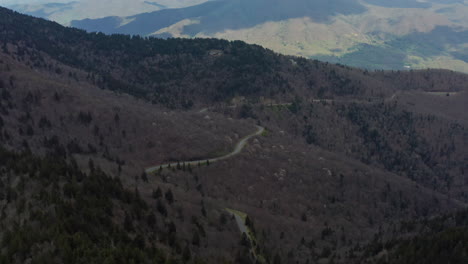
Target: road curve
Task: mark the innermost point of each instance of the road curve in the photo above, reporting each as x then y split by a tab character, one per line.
239	146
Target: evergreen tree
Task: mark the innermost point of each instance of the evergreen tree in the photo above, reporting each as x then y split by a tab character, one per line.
157	194
144	177
161	208
128	225
91	165
151	219
277	259
187	255
169	196
196	239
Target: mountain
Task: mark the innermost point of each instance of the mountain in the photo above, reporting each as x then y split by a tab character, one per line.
375	34
349	160
66	11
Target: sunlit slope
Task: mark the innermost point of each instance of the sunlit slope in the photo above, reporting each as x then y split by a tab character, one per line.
374	34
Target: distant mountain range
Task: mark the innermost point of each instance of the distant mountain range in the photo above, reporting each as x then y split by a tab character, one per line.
65	11
373	34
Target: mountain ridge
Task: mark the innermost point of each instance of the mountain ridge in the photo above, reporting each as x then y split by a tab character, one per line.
66	11
345	32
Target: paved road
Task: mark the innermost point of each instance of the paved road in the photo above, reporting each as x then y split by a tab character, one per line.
240	223
236	151
240	220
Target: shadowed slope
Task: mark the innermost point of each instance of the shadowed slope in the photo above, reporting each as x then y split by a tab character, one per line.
221	15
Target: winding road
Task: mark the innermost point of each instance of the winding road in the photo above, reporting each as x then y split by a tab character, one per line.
244	229
238	149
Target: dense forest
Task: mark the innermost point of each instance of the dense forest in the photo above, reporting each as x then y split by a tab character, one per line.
424	148
52	212
181	72
439	240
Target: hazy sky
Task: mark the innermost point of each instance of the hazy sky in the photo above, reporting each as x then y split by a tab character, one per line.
165	2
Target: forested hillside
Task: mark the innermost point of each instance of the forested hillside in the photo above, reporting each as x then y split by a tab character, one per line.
383	34
176	72
438	240
346	157
52	212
